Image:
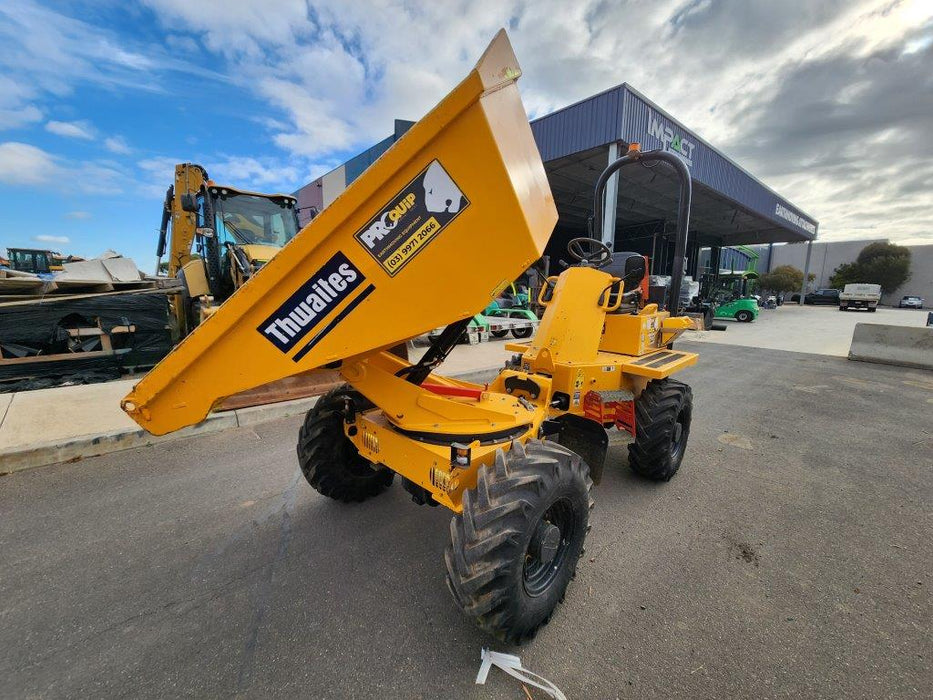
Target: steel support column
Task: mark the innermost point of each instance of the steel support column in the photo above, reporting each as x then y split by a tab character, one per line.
806	272
612	195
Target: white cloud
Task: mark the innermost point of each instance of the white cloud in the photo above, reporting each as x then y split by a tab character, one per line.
340	77
79	215
51	239
118	145
71	130
336	75
16	109
257	174
158	173
24	165
253	173
182	43
47	55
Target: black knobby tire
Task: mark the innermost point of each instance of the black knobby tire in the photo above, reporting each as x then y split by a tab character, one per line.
744	316
523	332
329	461
514	548
662	426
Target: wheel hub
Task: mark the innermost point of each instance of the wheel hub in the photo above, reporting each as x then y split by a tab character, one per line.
677	437
545	542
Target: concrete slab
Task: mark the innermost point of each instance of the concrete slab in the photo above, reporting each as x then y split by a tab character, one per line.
5	401
64	413
471	358
92	445
893	345
821	330
121	269
260	414
84	271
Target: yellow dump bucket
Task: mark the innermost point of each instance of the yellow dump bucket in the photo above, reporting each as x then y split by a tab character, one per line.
429	234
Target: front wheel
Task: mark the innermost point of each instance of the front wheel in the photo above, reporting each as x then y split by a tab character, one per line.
745	316
514	548
662	425
329	460
842	308
872	309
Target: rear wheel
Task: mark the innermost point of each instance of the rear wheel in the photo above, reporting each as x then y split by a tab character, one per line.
524	332
662	426
329	461
745	316
499	334
872	309
515	546
842	308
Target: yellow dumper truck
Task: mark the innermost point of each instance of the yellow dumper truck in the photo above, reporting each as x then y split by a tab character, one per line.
460	205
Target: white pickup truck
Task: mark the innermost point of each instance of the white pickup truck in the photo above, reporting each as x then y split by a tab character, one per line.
860	296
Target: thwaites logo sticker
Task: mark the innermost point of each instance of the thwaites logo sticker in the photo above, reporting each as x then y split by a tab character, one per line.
413	218
311	303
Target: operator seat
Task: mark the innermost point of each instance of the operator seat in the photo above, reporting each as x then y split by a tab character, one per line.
632	270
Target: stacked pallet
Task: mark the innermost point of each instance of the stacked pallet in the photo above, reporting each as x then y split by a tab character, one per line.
94	320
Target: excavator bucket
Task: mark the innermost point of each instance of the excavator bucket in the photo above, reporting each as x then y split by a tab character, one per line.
428	235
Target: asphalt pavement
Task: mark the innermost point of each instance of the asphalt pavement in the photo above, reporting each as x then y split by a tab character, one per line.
791	556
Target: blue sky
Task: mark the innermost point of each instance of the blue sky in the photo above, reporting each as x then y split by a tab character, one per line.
828	102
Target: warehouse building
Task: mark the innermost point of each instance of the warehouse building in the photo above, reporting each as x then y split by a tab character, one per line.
828	255
730	206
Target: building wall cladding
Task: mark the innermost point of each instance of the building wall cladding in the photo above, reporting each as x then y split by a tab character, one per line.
581	126
622	114
355	166
619	114
645	123
321	192
828	255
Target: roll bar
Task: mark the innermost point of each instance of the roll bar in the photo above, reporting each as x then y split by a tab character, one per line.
683	209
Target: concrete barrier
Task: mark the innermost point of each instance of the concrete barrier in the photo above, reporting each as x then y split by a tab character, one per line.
905	346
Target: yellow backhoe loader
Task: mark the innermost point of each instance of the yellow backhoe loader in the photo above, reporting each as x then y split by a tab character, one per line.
217	237
460	205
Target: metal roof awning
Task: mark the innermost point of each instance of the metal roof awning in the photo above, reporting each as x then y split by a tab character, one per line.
648	195
730	206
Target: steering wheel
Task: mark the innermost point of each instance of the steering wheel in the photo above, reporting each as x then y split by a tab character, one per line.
589	251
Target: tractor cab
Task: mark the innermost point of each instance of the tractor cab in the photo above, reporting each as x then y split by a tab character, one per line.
248	230
32	260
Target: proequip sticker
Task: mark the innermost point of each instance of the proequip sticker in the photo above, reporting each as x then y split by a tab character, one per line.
311	303
413	218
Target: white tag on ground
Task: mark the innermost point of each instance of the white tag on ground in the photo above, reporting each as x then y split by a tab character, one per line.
512	665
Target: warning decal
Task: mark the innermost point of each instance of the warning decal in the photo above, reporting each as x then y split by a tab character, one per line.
413	218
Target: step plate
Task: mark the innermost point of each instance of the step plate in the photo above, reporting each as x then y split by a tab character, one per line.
660	364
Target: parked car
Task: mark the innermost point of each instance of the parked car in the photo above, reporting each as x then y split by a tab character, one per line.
860	296
822	296
910	302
